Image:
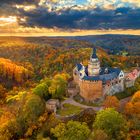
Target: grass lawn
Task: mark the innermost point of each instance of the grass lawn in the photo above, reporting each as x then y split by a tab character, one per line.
69	109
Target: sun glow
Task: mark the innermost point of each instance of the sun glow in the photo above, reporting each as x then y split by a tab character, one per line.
16	30
9	19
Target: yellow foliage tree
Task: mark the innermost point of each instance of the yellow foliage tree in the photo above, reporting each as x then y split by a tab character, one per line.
11	71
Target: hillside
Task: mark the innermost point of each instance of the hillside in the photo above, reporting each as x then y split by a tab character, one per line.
48	56
54	41
9	71
34	70
45	56
114	43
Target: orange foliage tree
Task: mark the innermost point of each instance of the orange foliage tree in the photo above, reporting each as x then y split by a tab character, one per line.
111	102
132	111
133	107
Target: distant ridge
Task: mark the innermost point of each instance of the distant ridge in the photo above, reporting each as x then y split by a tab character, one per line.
114	43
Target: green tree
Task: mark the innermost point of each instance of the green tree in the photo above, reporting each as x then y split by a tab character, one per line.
33	107
27	108
73	130
29	112
52	122
43	89
58	87
55	88
113	123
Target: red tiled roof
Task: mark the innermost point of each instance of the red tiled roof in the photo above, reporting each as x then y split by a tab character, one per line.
133	75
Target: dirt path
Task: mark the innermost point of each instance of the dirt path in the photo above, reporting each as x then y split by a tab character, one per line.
123	102
73	102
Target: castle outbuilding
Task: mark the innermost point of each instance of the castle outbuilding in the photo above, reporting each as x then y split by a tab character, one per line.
95	82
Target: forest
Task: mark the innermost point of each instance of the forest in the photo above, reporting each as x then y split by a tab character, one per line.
36	69
116	43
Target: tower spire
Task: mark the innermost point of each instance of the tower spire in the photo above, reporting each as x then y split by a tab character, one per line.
94	55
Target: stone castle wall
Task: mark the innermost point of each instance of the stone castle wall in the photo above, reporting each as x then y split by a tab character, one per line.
75	78
114	86
111	89
91	90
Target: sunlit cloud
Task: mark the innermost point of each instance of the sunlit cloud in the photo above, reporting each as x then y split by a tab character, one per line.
26	7
136	3
7	20
69	17
111	4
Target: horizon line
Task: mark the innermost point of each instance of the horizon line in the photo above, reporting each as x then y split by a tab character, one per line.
37	35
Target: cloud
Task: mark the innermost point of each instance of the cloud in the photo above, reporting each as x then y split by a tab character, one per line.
26	7
115	3
7	7
19	2
123	18
106	4
68	14
136	3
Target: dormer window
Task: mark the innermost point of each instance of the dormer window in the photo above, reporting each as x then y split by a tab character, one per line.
80	74
106	70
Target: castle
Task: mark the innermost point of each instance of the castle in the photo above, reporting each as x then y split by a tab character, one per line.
96	82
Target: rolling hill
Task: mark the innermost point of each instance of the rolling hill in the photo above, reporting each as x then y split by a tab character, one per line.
114	43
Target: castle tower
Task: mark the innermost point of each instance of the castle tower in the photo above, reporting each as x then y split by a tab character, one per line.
93	64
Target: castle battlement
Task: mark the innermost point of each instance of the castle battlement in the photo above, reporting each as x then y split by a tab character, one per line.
94	81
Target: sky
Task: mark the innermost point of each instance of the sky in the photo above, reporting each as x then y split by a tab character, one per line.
69	17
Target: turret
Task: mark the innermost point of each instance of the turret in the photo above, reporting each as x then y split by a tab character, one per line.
94	64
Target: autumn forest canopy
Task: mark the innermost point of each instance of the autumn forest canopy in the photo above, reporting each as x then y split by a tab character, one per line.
52	87
36	69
